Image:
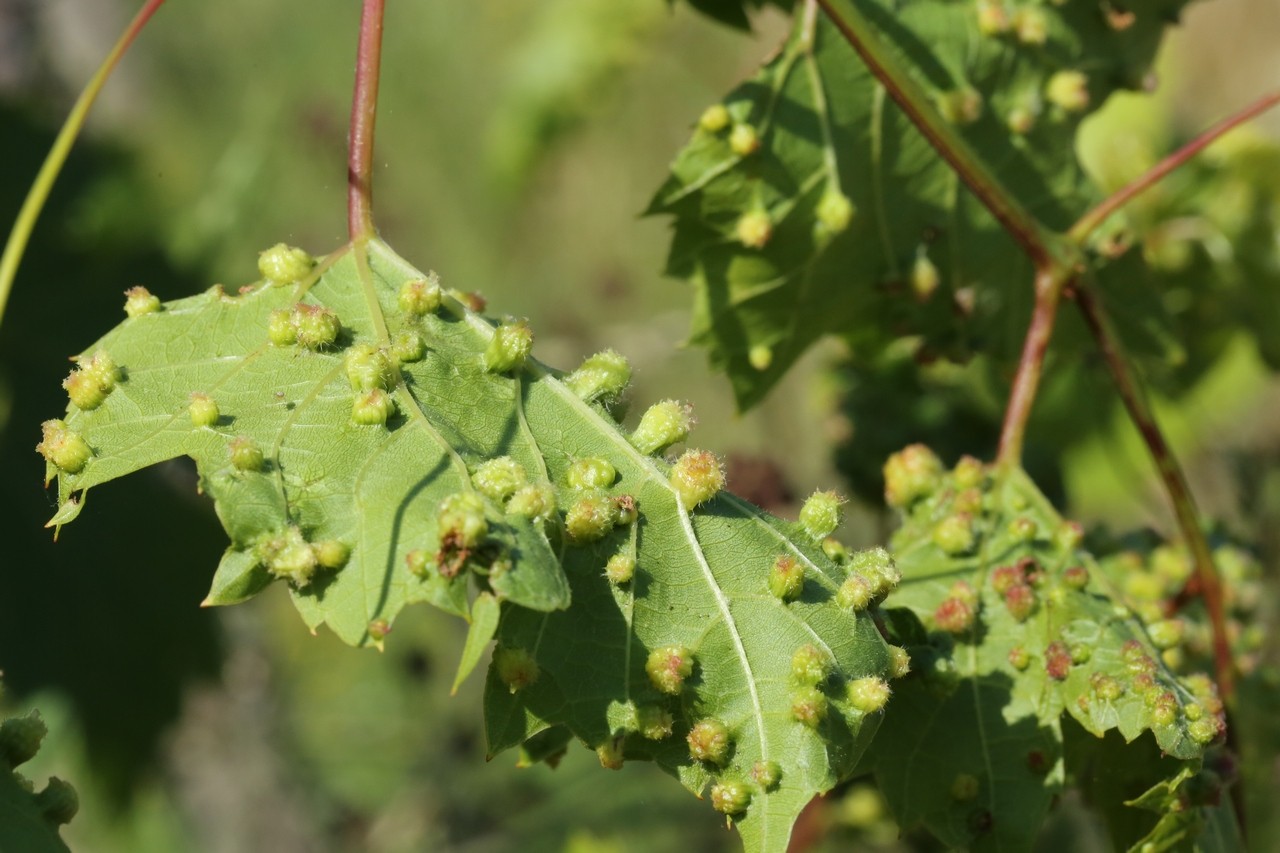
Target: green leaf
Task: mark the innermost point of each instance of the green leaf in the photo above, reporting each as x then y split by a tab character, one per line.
484	624
361	519
920	255
1011	627
29	820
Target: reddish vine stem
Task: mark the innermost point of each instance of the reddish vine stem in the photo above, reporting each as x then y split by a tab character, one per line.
1175	482
1049	285
1095	217
364	113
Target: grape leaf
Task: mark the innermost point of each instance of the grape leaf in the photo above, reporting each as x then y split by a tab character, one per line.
816	207
361	519
1022	628
29	820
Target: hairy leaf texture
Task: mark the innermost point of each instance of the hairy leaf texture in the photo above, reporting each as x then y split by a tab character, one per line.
378	443
1011	625
830	213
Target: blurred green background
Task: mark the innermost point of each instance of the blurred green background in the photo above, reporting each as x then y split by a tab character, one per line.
518	140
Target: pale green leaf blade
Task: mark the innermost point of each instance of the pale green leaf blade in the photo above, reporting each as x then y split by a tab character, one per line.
484	624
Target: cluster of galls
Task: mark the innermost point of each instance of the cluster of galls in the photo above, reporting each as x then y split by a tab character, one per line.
20	739
754	227
87	387
289	556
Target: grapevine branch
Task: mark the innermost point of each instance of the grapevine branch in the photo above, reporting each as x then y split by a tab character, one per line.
1095	217
364	112
1175	482
20	234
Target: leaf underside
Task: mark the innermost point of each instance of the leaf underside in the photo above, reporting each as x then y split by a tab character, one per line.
701	576
825	125
968	711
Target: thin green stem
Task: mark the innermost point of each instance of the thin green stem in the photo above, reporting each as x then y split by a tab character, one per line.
1098	215
1049	284
20	234
1042	245
1135	401
364	114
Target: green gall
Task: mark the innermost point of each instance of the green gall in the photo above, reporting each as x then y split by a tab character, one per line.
603	376
954	615
1166	633
245	454
283	264
925	277
954	534
1022	119
960	106
1076	577
965	787
368	368
372	408
1164	709
1031	25
1105	687
1068	536
288	556
760	357
63	447
964	591
20	738
744	140
420	296
92	381
766	774
1174	565
753	229
663	425
969	473
654	723
627	511
1004	578
709	741
1193	711
378	629
1204	731
535	502
590	518
835	212
855	593
730	797
993	19
408	347
331	553
910	474
509	347
869	694
202	410
1020	601
878	568
968	501
668	667
821	514
808	706
281	330
461	521
1080	652
786	578
593	472
899	662
835	550
316	327
714	118
418	562
810	666
620	569
58	802
1023	530
500	478
515	667
696	477
138	301
610	752
1068	90
1019	658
